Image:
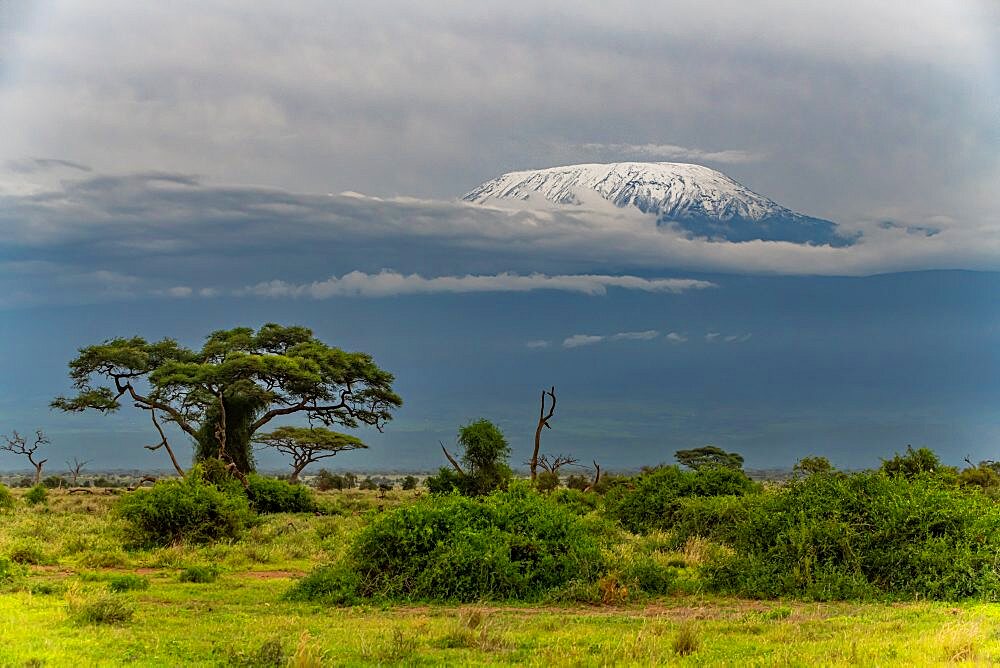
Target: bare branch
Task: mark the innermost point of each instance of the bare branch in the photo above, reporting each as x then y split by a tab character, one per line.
543	421
452	459
163	443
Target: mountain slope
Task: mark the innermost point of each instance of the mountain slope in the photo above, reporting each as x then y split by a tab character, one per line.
699	200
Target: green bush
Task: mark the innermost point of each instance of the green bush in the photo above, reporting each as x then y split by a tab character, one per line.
547	481
128	582
200	573
37	494
268	495
508	545
336	584
6	498
104	609
650	500
184	509
832	536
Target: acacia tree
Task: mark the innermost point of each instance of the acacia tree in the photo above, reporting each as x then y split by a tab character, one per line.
709	456
19	445
307	445
238	382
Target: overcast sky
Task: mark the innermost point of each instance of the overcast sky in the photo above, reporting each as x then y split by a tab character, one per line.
305	159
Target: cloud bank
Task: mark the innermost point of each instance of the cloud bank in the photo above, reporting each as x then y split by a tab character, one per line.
389	283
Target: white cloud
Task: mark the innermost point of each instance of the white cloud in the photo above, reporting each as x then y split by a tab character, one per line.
712	337
674	337
578	340
541	343
669	152
647	335
391	283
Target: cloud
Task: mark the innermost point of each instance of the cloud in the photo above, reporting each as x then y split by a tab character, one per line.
674	337
388	283
538	344
717	337
669	152
647	335
33	165
578	340
712	337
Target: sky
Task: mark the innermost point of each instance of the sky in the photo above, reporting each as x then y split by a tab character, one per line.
172	169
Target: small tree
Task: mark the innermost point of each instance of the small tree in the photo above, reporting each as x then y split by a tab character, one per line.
811	465
307	445
409	483
709	456
485	455
75	469
914	462
19	445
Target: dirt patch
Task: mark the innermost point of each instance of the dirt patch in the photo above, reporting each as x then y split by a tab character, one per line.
271	575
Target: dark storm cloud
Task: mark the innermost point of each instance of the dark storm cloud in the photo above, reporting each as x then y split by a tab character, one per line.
176	235
857	112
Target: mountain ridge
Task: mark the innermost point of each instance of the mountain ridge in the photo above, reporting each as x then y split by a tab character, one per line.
699	200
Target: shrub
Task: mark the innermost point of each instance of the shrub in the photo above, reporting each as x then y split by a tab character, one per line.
546	481
185	509
120	583
335	584
687	641
914	463
577	482
6	499
271	654
104	609
651	500
200	573
409	483
268	495
865	535
508	545
37	494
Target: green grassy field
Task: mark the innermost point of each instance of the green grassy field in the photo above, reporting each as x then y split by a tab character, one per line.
58	610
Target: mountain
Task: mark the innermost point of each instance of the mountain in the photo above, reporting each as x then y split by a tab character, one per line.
699	200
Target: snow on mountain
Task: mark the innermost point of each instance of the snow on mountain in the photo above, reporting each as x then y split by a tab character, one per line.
699	200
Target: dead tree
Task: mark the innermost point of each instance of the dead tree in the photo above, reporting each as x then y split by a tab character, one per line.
597	478
556	463
18	445
543	421
75	468
452	460
163	443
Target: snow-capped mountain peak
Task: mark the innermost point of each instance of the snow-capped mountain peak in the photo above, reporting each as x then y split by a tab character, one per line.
700	200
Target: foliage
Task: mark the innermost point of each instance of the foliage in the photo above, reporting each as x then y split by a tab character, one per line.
239	381
326	481
103	609
268	495
577	481
985	476
508	545
546	481
36	495
6	498
811	465
336	584
852	536
650	500
187	509
409	483
307	445
128	582
200	573
484	455
709	456
914	463
270	654
368	484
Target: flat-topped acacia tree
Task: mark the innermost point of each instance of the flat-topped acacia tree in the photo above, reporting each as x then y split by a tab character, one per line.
307	445
238	382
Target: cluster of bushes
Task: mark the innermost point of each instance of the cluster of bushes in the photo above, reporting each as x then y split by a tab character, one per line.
513	544
208	504
651	500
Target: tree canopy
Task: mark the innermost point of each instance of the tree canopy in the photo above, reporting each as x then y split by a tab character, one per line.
306	445
238	382
708	456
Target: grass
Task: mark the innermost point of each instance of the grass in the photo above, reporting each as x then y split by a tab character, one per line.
49	612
